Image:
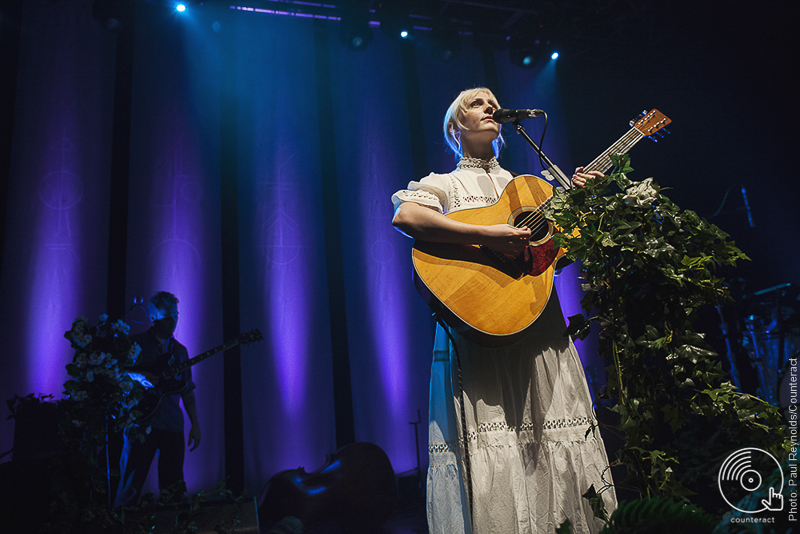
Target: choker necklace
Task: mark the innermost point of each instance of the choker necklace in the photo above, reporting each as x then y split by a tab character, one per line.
477	163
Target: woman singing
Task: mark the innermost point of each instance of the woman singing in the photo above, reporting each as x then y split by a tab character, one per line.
531	433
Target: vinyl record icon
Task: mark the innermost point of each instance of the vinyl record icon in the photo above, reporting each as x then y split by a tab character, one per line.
746	471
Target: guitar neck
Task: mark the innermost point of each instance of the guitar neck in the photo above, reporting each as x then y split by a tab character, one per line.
179	368
603	162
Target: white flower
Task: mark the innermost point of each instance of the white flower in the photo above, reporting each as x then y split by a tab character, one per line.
81	360
97	358
121	327
103	318
80	396
79	324
90	376
133	353
81	339
641	195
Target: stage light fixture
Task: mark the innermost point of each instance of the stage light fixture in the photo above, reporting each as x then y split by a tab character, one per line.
355	34
180	8
529	43
394	20
526	53
354	30
522	57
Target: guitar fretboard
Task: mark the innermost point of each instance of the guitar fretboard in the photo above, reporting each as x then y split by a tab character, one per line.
623	145
179	368
602	163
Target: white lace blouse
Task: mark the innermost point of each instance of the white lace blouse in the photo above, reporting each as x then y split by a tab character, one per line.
474	183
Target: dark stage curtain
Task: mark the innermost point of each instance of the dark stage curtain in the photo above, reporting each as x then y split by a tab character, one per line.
321	136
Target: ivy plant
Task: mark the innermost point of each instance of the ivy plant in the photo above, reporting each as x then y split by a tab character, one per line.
649	267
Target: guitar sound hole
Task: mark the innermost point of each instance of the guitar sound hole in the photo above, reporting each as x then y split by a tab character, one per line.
533	219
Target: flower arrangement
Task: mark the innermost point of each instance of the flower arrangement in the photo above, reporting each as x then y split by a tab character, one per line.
100	398
649	268
100	392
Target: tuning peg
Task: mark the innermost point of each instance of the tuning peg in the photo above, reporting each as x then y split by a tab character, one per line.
638	117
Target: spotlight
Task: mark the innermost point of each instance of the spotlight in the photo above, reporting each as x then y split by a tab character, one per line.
180	8
526	52
530	43
523	57
355	35
354	30
394	19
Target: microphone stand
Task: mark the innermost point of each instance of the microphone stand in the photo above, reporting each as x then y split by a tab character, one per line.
552	170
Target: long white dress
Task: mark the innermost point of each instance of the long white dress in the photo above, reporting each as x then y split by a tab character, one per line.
533	443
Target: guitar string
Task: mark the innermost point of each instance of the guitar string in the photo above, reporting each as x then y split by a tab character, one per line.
624	143
622	146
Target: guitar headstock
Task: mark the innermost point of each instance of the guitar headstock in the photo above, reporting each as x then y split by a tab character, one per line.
250	337
650	122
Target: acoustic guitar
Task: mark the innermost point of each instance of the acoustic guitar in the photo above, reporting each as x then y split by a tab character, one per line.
490	298
166	371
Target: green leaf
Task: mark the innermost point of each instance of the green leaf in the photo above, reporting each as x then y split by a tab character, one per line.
578	326
596	502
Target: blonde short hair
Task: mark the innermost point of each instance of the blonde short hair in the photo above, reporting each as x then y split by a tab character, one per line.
455	113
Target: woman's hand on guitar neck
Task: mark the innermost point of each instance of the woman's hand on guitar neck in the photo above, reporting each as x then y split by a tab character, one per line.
580	177
146	379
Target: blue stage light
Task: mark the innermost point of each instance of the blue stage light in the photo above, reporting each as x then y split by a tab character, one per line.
554	55
404	34
181	7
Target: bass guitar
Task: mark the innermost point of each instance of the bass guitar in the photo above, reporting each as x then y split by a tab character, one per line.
165	372
491	298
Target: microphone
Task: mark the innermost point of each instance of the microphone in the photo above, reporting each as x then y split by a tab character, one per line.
512	115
